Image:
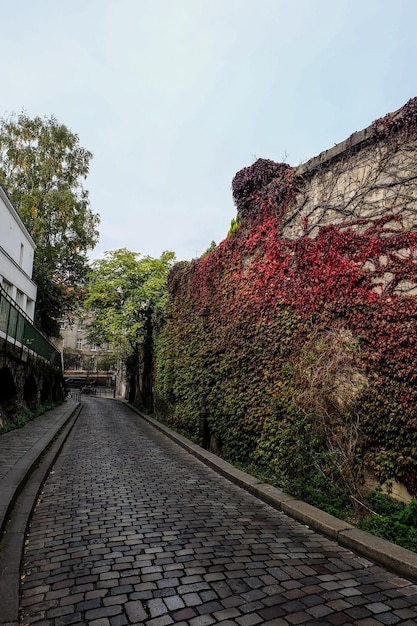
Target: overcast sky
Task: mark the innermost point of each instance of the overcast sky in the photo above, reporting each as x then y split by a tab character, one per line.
173	97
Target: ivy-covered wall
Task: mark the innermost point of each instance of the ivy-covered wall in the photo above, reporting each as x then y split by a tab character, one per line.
309	358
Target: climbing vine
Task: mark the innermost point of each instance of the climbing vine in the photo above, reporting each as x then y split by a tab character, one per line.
309	360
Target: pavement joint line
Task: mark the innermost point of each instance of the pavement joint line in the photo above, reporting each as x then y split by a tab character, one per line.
21	511
380	551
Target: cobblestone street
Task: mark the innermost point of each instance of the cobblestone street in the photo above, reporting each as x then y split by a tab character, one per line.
131	529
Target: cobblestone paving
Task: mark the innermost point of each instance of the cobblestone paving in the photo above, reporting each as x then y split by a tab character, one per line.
130	529
17	442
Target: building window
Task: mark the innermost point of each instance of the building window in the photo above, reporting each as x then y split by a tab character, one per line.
93	347
79	344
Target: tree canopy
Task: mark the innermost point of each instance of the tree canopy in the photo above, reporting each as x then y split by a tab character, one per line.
127	293
42	166
122	290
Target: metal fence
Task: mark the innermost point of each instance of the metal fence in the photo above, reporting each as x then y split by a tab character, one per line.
86	390
18	330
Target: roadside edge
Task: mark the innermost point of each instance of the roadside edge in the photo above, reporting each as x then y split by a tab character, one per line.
399	560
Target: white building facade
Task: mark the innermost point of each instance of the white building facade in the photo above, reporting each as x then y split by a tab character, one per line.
17	250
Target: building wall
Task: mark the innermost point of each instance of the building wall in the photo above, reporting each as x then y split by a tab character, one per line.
80	357
17	250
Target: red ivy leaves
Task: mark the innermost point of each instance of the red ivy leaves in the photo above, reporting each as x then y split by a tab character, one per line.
402	121
349	272
350	263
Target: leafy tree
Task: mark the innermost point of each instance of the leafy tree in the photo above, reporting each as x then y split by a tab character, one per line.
42	167
71	357
127	293
107	362
211	247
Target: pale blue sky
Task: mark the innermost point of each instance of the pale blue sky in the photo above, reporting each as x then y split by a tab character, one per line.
173	97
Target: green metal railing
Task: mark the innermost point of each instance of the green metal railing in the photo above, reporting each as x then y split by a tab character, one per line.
20	331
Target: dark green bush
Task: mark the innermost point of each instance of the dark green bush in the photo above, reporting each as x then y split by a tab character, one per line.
392	520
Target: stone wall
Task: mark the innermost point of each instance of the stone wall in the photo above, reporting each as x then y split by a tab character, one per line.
25	383
368	177
308	356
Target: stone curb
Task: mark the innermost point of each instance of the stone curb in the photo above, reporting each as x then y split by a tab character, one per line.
14	481
30	477
380	551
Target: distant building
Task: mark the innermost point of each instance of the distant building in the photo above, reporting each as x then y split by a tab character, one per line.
17	250
83	359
